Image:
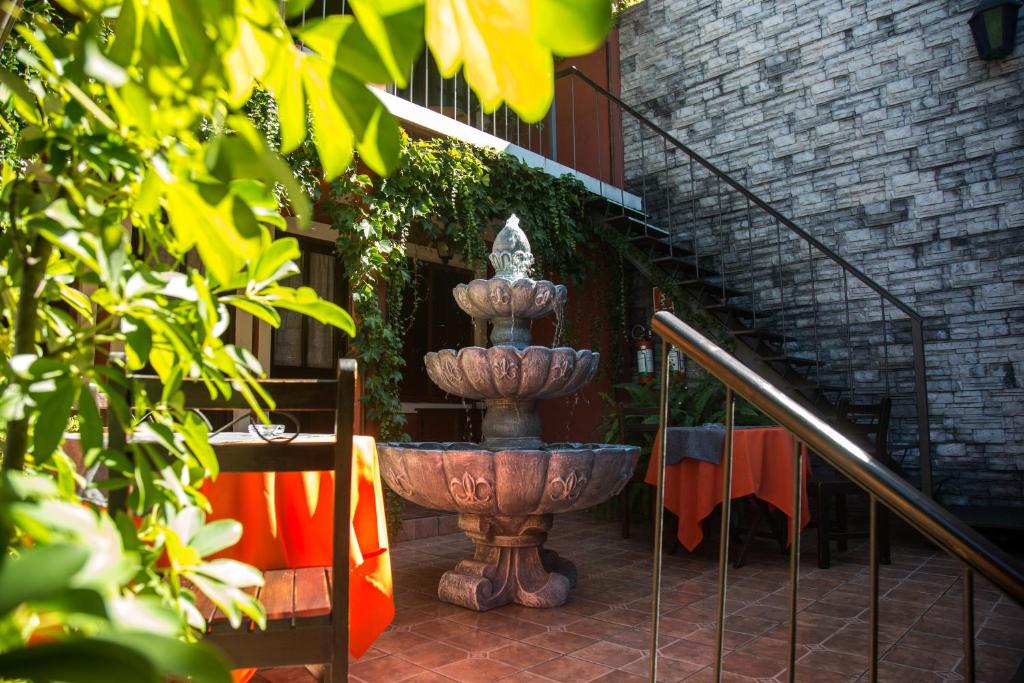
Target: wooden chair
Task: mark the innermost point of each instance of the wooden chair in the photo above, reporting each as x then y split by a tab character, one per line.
871	422
307	609
634	425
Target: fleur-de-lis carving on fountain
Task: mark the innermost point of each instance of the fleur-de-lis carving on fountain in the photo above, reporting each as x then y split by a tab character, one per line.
500	296
559	368
505	368
542	298
471	490
568	488
451	371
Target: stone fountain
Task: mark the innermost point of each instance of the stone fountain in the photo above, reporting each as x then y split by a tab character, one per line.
508	488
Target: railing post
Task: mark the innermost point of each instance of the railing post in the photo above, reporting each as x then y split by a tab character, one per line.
723	547
659	509
552	124
921	398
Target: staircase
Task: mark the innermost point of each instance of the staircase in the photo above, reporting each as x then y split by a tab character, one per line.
797	312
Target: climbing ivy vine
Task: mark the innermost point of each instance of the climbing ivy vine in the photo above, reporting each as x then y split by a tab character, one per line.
444	191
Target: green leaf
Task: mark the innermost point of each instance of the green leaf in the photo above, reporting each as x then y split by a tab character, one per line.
284	80
51	420
144	613
332	133
277	262
294	8
14	88
39	572
232	573
215	536
196	662
572	27
138	342
256	309
90	424
394	28
83	660
304	300
341	41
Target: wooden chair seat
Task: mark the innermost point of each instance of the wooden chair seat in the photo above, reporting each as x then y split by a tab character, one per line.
285	595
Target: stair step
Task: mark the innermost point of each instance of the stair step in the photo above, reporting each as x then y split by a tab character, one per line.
738	311
757	332
820	387
727	291
790	360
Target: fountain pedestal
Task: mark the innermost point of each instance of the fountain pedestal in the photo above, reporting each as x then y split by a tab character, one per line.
510	565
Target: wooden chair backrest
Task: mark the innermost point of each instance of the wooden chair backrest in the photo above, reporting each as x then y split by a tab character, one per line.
338	396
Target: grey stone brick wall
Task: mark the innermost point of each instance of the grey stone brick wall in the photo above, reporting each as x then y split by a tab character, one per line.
875	127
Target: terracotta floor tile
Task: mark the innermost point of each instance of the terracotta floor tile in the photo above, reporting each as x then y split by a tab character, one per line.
562	642
477	670
1013	639
805	674
753	666
594	628
522	655
432	655
690	651
620	677
384	670
569	669
772	648
609	654
524	677
931	659
897	673
669	670
428	677
476	641
844	663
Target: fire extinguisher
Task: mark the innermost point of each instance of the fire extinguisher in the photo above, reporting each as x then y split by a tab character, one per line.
644	348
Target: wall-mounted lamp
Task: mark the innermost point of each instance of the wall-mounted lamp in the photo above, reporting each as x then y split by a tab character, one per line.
994	26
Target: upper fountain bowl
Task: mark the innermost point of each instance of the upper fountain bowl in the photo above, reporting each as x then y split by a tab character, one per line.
505	372
500	298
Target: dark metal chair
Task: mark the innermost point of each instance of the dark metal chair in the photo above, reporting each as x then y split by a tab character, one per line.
871	422
307	609
637	425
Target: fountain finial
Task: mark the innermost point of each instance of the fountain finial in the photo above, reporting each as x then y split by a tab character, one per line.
511	255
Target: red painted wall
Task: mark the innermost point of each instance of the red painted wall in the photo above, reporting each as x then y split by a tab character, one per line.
576	418
588	126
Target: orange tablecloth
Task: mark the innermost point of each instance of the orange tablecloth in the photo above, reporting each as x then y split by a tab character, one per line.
763	462
288	523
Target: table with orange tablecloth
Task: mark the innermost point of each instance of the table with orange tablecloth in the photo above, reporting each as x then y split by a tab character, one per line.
288	522
763	462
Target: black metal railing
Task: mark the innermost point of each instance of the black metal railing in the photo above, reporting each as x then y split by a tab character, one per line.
976	553
777	287
452	97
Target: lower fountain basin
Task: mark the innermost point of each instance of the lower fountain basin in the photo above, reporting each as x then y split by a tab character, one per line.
465	478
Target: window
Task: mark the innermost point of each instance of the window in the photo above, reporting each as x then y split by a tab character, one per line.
301	346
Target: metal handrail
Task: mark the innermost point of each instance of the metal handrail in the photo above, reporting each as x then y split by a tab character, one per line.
916	320
921	512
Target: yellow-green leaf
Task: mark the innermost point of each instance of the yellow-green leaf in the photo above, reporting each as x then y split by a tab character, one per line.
506	46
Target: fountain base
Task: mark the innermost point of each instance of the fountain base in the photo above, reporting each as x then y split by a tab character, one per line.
510	565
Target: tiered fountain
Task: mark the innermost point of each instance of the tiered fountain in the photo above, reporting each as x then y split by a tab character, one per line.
507	489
